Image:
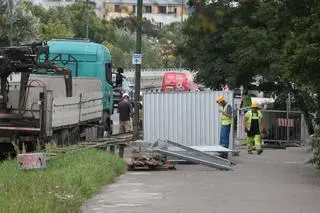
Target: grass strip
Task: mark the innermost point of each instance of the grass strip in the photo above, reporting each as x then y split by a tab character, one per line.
62	187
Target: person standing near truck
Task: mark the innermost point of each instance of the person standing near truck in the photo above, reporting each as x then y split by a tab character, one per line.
119	77
226	121
253	128
125	113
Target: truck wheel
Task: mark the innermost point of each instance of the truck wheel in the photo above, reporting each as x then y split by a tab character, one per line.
65	137
91	133
75	135
94	132
88	134
56	139
109	127
100	131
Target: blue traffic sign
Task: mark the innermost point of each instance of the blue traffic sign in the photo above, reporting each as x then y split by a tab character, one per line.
136	58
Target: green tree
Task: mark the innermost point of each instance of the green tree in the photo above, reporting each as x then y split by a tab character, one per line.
123	46
24	23
55	30
118	56
71	21
170	37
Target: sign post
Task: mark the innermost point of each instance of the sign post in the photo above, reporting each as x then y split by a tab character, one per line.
136	59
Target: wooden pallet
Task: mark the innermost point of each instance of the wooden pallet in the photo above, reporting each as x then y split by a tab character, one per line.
150	164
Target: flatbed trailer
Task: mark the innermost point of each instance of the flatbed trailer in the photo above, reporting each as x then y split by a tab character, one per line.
41	102
48	113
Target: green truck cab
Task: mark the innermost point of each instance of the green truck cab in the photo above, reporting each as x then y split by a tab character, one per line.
87	59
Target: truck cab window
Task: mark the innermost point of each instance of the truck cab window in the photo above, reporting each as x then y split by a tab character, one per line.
108	73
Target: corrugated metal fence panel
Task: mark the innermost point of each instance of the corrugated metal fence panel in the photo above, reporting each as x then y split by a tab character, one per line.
189	118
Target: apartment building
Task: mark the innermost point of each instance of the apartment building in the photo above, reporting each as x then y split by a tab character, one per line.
98	5
159	12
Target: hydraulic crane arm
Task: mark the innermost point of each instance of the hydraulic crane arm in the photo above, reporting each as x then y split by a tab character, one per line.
26	60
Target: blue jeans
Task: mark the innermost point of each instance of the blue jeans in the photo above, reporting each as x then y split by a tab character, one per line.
225	135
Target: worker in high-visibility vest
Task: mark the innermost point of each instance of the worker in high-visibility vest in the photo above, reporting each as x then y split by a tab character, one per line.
226	121
253	128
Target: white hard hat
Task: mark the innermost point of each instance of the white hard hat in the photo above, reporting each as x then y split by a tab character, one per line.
125	94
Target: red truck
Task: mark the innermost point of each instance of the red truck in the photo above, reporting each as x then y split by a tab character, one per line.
178	81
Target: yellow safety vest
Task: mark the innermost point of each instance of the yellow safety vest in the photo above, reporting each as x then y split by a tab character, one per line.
250	116
225	120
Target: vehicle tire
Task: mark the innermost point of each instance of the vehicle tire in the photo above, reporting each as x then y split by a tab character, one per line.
89	135
75	136
109	126
56	140
65	137
100	131
94	131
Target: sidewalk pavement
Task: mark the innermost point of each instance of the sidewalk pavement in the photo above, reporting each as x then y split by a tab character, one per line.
276	181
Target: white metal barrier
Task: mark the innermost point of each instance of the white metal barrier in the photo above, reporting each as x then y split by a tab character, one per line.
188	118
280	126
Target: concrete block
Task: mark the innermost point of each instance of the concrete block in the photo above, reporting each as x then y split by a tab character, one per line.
32	161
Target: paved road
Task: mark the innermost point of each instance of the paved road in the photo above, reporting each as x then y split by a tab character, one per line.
277	181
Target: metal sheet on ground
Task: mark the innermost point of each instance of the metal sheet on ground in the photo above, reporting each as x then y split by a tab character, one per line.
191	154
205	148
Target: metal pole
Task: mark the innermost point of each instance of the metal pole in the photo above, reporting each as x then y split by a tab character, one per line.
136	129
87	27
180	57
182	11
10	7
288	110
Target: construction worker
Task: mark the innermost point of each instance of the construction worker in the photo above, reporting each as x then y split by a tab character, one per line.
125	113
253	128
226	121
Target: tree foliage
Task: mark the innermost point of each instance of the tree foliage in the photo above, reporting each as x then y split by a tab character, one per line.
272	38
117	35
24	24
125	44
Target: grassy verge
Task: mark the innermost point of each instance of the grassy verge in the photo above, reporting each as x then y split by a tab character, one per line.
63	187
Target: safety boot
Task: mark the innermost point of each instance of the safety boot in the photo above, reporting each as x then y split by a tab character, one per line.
259	151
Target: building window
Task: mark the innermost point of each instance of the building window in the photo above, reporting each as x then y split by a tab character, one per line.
172	10
162	9
117	8
134	8
147	9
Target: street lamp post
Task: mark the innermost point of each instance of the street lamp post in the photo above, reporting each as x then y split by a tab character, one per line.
87	26
136	129
10	7
182	7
